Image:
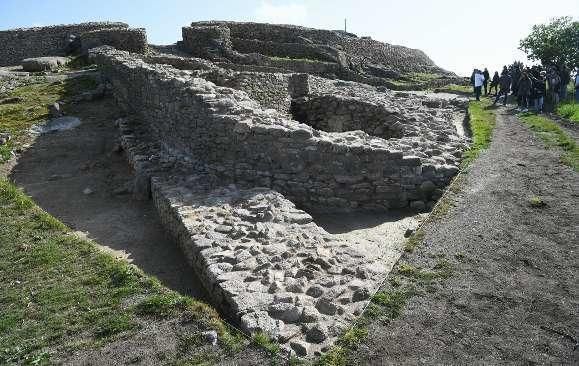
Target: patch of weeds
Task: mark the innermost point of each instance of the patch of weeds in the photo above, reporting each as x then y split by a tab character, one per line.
414	241
206	358
569	110
536	202
161	305
391	302
554	136
114	324
482	124
263	341
442	208
32	107
443	269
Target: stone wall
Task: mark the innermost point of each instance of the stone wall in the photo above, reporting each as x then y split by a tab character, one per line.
398	58
290	50
18	44
333	113
203	39
132	40
243	144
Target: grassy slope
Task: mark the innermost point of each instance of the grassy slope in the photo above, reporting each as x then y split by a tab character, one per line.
554	136
58	292
569	110
406	281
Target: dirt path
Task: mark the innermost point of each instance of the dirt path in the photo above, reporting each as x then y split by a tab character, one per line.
60	168
513	293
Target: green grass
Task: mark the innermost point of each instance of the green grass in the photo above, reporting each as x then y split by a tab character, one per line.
263	341
17	118
458	89
414	241
569	110
55	286
536	202
59	292
554	136
482	123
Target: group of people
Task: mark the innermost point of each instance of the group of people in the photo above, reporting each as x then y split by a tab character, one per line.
531	86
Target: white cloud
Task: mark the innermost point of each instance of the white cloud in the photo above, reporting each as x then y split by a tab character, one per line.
292	13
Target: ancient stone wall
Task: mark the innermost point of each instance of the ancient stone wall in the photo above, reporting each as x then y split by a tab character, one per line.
399	58
198	40
18	44
291	50
333	113
132	40
241	143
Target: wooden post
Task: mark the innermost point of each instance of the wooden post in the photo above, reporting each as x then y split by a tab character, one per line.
345	28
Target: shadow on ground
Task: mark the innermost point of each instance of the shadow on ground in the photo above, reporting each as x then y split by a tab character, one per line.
77	177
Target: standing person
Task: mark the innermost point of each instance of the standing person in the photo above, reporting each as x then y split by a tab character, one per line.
577	84
564	75
504	86
495	83
515	76
486	81
540	89
525	85
479	79
553	84
472	80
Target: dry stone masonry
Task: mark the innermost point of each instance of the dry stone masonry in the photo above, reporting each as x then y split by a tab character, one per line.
18	44
241	131
226	164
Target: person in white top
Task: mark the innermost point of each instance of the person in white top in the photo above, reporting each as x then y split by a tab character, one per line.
478	83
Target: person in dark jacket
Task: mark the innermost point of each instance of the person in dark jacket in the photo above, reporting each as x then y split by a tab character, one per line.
495	83
487	78
539	90
515	76
504	87
524	92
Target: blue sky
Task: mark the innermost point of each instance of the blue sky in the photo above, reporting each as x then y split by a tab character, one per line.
457	34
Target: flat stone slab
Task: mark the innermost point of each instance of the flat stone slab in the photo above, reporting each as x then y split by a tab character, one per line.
58	124
49	63
267	263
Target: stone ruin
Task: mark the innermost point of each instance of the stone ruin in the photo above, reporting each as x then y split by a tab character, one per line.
237	154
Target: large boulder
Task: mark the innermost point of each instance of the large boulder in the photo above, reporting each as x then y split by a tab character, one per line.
50	63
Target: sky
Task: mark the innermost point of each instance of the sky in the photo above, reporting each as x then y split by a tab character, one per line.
458	35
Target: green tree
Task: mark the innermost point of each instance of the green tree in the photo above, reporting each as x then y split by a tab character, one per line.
553	43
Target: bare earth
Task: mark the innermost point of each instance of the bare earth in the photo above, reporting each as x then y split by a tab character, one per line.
57	168
513	296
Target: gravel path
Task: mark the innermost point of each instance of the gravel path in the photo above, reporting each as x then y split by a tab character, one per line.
513	294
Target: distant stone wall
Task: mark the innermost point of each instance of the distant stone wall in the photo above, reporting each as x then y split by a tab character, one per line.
132	40
198	40
291	50
243	144
18	44
399	58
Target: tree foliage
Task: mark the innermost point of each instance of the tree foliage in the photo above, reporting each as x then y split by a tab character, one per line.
553	43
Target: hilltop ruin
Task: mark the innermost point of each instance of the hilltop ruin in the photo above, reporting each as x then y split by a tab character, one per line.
241	131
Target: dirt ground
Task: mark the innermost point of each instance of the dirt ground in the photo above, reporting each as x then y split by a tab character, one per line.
77	177
513	294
